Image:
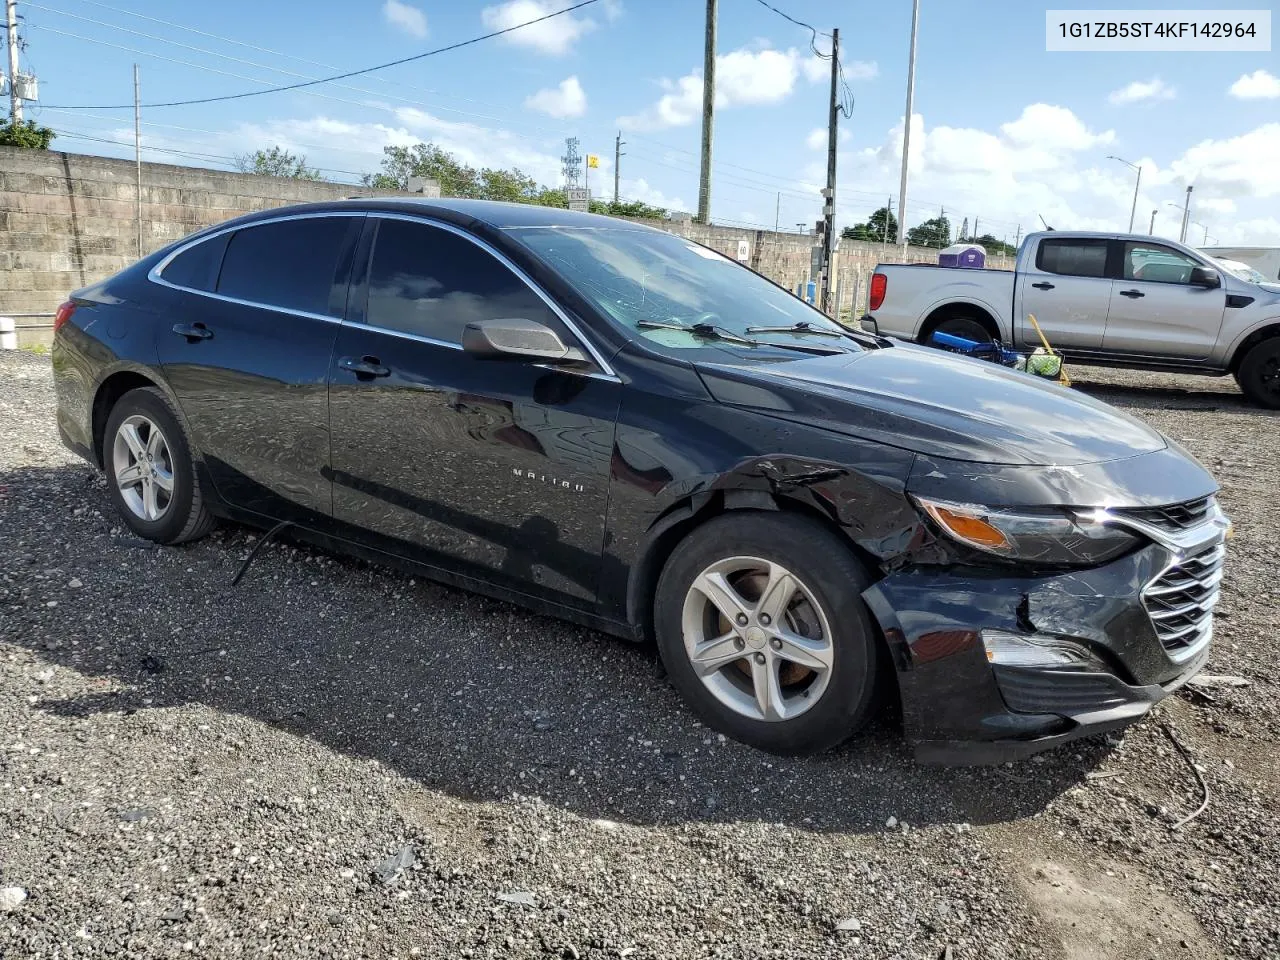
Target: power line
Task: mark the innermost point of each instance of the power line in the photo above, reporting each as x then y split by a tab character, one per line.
814	31
346	75
258	65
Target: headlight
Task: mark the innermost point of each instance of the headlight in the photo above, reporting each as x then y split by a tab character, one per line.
1050	536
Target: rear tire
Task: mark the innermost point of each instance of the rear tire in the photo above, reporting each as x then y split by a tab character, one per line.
1259	374
794	671
966	327
150	470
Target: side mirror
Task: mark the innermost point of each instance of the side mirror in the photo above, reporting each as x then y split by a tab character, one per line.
517	339
1205	277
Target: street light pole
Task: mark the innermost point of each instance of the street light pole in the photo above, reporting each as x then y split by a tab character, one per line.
1151	230
906	128
1134	209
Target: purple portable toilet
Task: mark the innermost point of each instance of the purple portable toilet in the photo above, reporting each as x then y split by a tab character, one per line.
963	255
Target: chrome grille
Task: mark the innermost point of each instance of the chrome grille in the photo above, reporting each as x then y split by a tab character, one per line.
1176	516
1180	601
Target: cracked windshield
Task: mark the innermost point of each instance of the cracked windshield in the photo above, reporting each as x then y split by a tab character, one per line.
679	294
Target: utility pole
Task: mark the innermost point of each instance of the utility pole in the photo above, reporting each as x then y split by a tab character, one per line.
906	129
15	101
617	160
137	151
975	230
777	212
829	195
1151	230
1017	238
1186	216
708	113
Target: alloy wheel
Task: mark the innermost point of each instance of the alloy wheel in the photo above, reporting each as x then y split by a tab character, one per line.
757	638
143	468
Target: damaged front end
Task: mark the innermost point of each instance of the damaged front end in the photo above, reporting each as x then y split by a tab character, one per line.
1069	609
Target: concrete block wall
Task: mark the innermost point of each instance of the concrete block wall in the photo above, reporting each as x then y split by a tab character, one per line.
68	220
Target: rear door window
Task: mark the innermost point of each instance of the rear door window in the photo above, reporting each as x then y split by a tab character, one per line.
292	264
1073	258
196	268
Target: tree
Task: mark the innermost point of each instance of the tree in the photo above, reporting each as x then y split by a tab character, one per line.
28	134
993	246
635	209
932	233
276	163
874	228
456	179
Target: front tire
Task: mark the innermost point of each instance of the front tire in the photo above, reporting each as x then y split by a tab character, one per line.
1259	374
150	470
762	628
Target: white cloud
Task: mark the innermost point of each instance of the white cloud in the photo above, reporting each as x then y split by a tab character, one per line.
1259	85
1142	90
566	100
745	76
554	37
817	139
640	189
408	18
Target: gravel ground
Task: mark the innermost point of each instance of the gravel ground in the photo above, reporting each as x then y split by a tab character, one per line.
335	760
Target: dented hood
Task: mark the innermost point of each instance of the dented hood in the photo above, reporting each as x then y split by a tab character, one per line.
937	404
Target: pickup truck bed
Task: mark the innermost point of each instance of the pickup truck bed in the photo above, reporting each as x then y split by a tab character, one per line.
1114	299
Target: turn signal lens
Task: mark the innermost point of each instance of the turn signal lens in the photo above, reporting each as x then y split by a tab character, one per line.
968	528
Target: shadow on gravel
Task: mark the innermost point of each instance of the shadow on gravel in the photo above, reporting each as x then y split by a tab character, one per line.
1172	398
461	694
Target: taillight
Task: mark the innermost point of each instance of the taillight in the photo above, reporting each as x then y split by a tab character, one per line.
63	315
879	284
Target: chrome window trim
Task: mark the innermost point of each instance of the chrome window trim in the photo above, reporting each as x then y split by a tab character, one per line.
155	273
506	262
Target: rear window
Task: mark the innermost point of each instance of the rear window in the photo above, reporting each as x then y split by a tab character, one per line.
1073	258
288	263
196	268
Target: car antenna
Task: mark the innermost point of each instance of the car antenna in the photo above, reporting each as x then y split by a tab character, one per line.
1042	220
262	542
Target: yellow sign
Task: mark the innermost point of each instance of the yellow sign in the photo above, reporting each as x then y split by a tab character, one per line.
593	161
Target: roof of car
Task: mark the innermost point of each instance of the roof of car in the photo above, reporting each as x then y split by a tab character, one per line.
496	214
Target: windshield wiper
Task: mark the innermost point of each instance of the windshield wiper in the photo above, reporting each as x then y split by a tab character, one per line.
709	330
802	326
713	332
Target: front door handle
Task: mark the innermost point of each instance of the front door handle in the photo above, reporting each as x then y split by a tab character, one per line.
365	368
1043	286
192	331
1132	294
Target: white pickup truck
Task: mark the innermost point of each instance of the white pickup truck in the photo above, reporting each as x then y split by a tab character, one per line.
1100	298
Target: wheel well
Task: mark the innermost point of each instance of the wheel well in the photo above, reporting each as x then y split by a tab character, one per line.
685	517
1251	341
951	311
109	392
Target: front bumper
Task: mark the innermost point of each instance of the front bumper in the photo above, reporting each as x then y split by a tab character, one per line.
960	708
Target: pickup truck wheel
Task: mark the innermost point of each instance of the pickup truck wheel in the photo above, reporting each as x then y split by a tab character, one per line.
1259	374
762	628
964	327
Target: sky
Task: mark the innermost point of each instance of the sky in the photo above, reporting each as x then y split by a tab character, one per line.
1002	131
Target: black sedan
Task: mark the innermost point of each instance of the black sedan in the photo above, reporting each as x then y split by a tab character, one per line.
611	424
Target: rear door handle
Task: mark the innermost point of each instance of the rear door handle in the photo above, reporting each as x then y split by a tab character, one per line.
192	331
365	368
1043	286
1132	294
